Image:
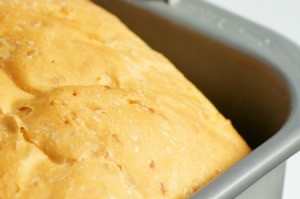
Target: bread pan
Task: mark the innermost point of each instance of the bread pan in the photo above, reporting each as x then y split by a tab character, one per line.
250	73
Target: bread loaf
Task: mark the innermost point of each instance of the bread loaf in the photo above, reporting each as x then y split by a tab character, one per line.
88	110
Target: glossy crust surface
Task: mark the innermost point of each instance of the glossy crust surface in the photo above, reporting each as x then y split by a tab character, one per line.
88	110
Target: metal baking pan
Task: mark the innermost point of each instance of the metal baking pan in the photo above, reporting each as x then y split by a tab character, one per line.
250	73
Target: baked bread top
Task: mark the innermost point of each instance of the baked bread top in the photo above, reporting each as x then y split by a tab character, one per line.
88	110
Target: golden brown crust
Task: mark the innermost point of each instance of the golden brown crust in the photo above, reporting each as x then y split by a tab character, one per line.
88	110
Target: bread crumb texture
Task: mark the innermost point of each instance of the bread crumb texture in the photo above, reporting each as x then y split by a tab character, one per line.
88	110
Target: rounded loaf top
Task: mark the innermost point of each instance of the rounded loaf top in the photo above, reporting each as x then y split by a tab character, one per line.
88	110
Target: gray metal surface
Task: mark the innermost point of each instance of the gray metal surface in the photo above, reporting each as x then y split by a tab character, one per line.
268	187
192	21
172	2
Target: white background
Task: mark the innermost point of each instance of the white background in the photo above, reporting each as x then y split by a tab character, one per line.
282	16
